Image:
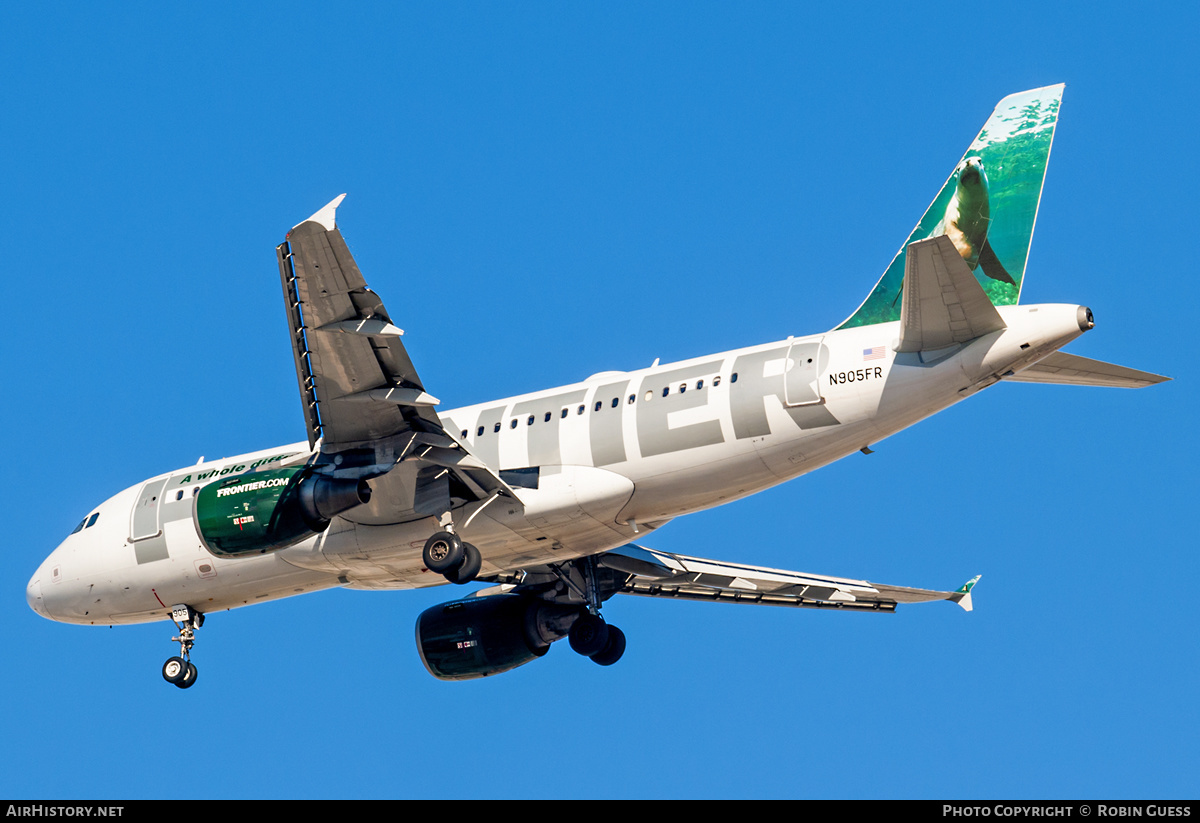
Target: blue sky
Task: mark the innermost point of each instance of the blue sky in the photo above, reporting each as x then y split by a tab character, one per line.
540	192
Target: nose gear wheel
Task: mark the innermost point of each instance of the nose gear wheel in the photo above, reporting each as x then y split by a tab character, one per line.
181	671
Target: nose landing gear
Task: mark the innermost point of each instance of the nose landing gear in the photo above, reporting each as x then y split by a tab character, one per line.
180	670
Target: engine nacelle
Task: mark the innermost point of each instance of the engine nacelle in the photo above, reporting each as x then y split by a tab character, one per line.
268	510
482	636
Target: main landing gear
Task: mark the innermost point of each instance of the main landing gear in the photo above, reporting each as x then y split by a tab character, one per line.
455	560
592	637
180	670
589	634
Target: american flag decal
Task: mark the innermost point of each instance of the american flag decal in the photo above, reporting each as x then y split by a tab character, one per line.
875	353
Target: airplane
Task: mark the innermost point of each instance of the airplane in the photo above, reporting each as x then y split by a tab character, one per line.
548	496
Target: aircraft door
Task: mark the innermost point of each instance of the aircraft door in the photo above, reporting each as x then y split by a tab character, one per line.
802	379
144	521
145	532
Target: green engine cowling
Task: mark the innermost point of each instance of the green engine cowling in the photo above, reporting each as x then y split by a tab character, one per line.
268	510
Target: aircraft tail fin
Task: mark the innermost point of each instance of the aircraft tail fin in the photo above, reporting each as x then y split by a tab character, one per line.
987	207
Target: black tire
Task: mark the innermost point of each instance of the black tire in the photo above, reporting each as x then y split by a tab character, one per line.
443	551
613	649
469	570
190	680
175	669
588	635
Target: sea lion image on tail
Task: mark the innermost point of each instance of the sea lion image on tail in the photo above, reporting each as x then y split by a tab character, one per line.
968	216
986	207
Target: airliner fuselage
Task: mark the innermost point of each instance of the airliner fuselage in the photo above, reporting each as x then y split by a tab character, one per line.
617	456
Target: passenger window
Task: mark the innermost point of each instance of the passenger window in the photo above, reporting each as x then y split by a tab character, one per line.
496	428
733	377
514	423
616	402
716	381
599	405
195	491
564	412
464	434
666	390
92	520
580	409
649	394
548	415
179	494
682	388
632	397
529	422
480	432
699	385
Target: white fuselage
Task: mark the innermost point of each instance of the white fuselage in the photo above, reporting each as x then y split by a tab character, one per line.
618	454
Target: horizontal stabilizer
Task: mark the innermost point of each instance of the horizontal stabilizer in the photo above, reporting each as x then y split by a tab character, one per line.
1073	370
943	302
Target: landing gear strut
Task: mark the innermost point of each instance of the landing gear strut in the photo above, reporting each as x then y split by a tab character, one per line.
180	670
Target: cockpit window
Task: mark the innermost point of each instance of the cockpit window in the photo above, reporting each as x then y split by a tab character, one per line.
86	523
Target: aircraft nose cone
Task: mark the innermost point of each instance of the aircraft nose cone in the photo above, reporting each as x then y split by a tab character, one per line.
33	596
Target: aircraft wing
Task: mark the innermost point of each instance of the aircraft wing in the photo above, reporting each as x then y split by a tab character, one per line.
651	573
632	569
364	403
357	382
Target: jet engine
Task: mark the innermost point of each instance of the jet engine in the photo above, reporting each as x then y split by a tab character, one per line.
267	510
482	636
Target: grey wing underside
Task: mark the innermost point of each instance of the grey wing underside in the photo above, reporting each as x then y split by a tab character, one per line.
365	407
633	569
